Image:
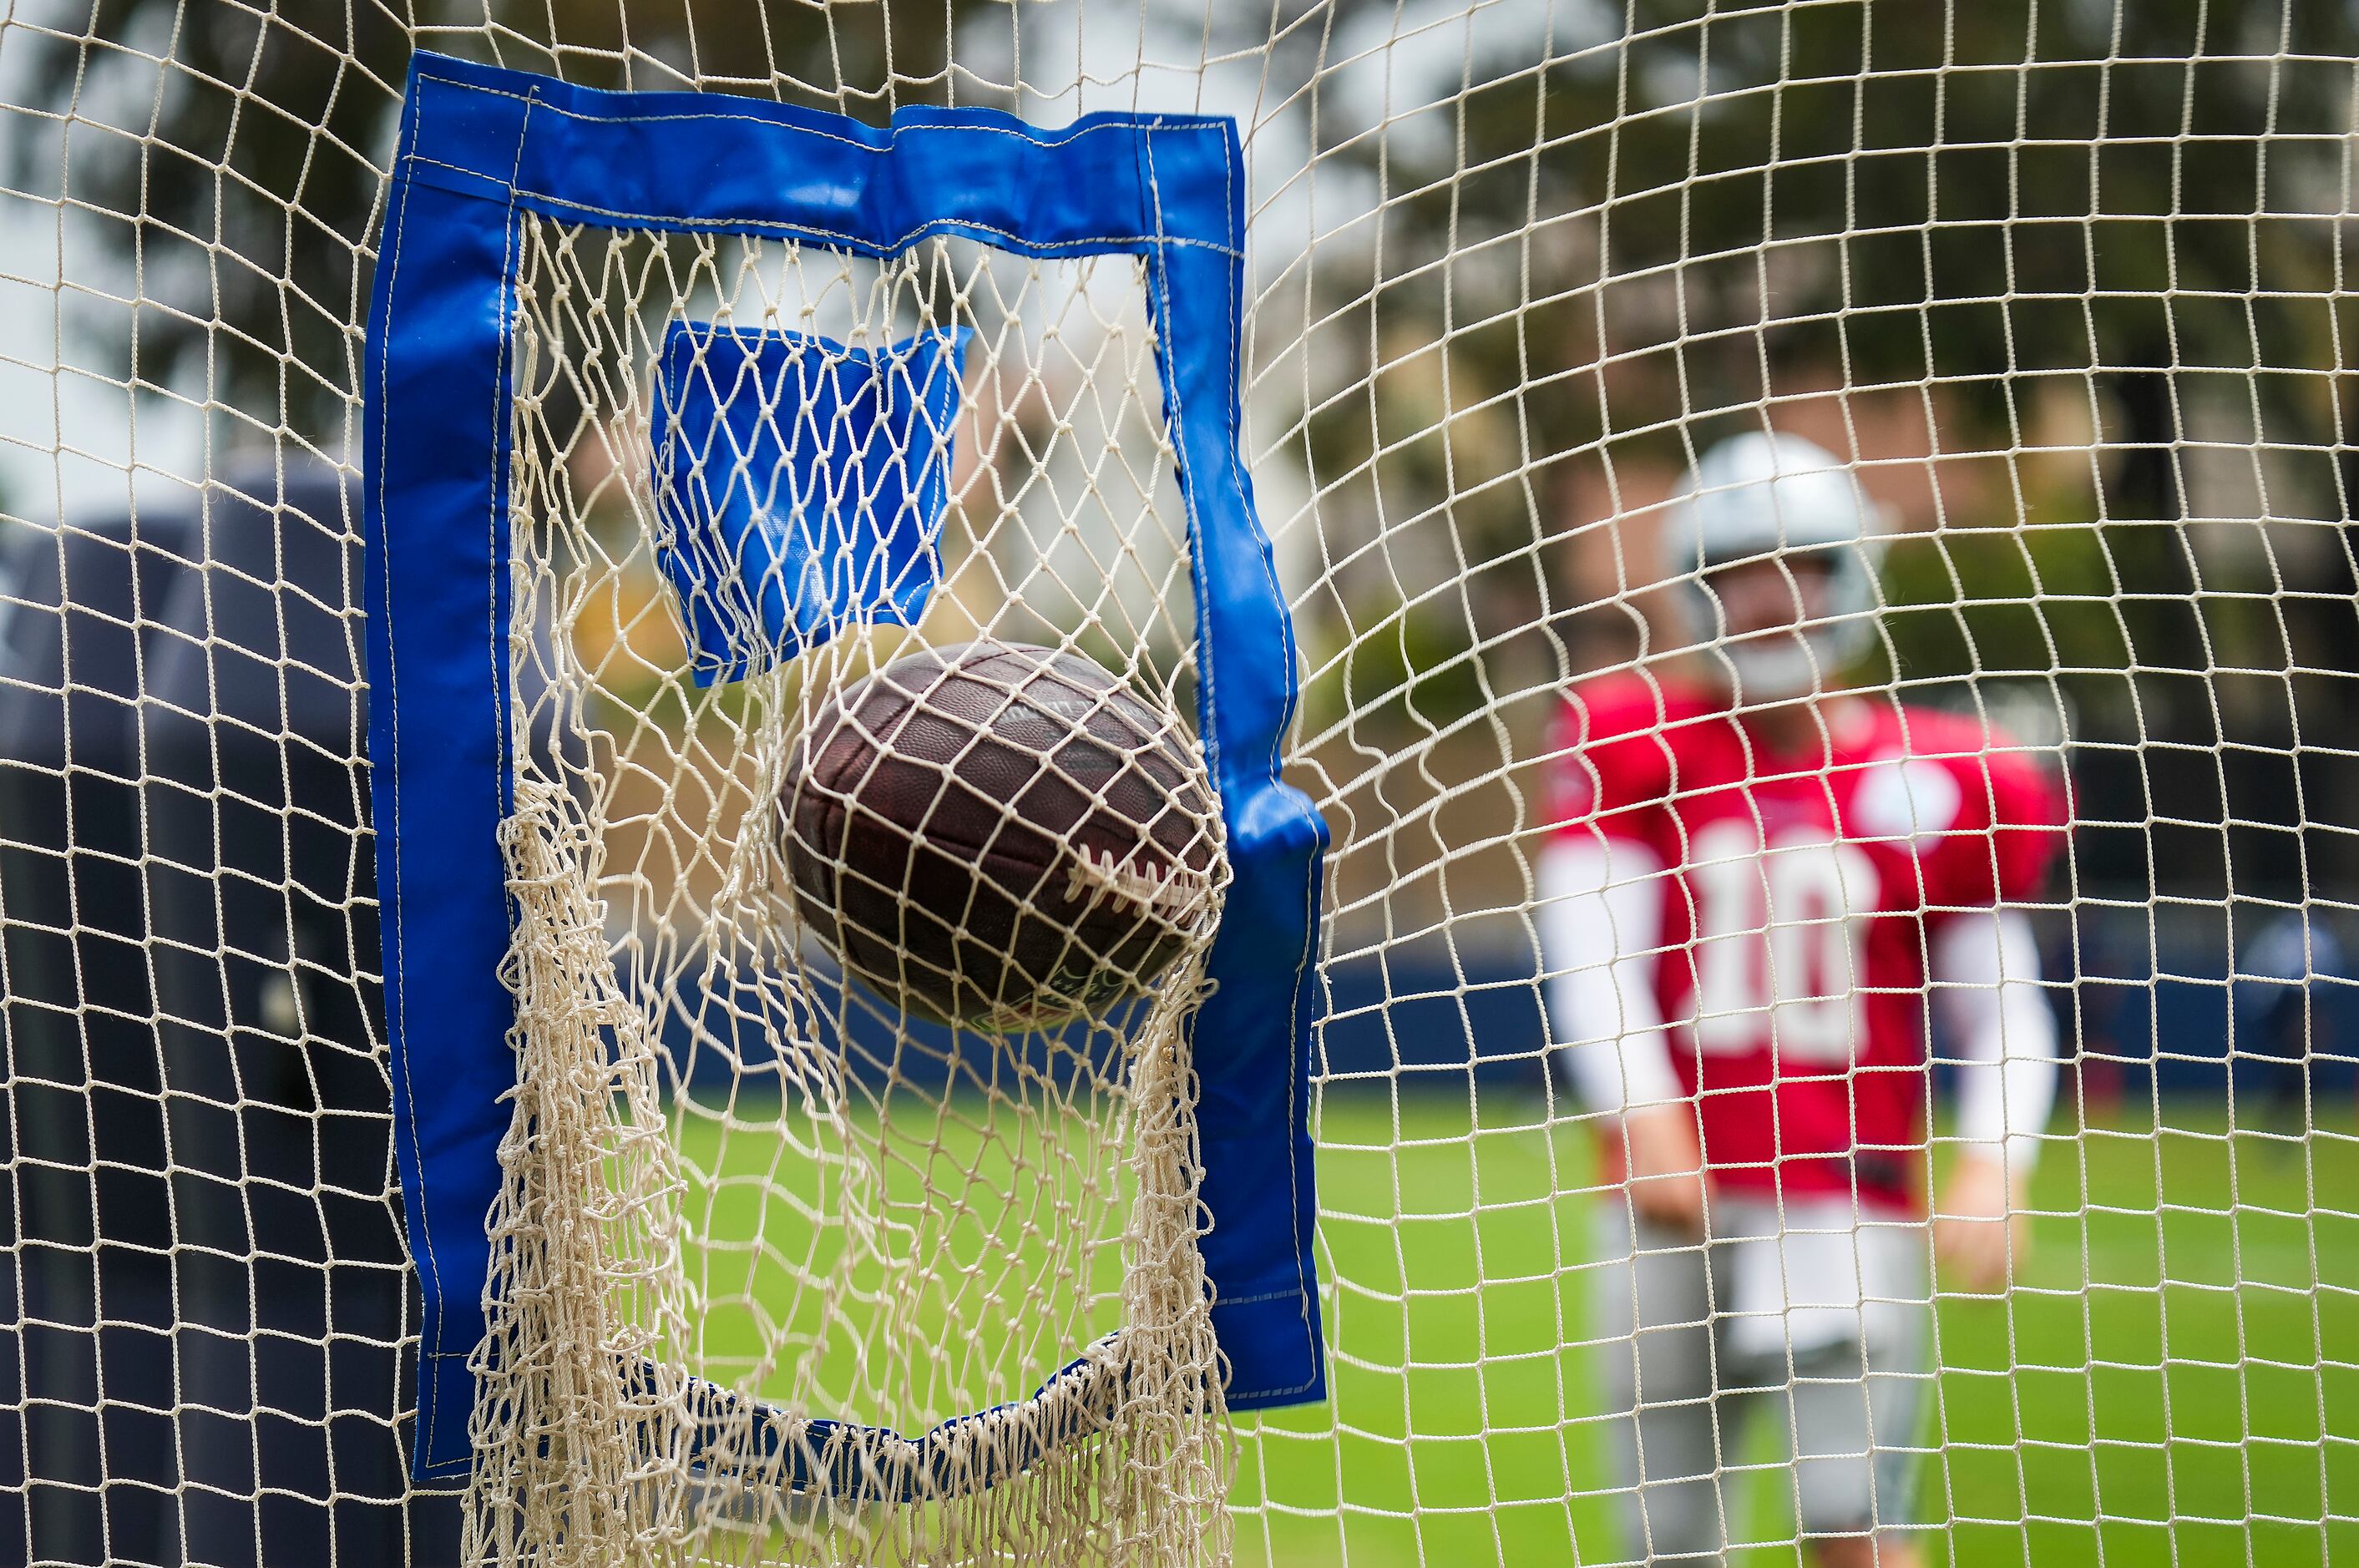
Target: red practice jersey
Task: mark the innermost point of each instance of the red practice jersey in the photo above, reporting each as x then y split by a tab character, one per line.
1799	896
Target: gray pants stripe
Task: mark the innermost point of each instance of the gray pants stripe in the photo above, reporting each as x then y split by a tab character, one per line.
1684	1385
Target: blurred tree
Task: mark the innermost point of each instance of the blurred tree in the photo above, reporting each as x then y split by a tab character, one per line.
250	146
1687	210
1695	210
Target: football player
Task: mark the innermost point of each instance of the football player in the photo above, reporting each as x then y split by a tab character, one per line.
1755	882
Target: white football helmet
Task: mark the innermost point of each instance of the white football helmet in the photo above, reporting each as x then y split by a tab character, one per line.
1759	496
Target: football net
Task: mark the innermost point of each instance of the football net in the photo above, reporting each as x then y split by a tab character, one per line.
747	1198
2062	286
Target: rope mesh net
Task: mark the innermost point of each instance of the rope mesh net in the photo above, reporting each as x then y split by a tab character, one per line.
743	1191
2062	289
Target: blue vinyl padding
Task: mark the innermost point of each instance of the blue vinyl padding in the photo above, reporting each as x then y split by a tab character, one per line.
799	485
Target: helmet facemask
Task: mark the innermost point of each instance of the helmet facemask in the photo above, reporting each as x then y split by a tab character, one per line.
1777	554
1783	625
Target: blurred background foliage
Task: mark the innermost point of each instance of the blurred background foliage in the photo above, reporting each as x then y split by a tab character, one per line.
254	162
2080	324
2038	271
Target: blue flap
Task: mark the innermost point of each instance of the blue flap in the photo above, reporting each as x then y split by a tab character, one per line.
799	485
482	146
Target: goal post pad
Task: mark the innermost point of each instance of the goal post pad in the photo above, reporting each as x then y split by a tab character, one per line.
482	150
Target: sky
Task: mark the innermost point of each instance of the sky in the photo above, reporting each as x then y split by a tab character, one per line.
75	437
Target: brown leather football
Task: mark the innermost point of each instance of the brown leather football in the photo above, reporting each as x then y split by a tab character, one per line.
999	835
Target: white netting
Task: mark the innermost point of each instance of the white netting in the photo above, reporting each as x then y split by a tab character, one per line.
2063	286
813	1203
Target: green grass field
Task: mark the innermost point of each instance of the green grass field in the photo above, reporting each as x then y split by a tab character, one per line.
2174	1381
2180	1358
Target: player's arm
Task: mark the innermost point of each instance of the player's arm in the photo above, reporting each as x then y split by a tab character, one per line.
1600	916
1985	974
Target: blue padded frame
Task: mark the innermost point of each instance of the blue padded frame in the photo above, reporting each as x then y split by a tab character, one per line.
479	148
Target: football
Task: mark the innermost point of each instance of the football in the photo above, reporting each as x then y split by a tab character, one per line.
998	835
